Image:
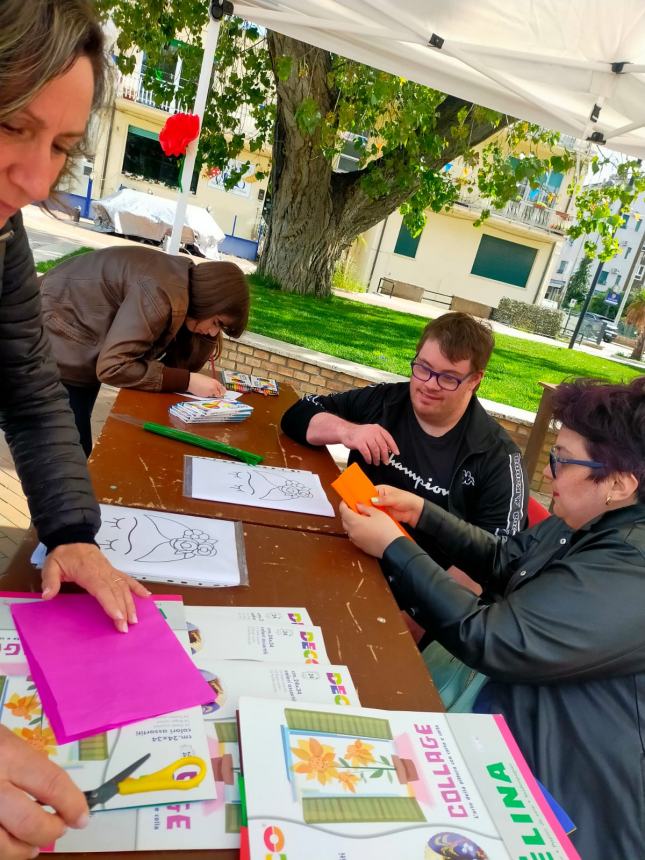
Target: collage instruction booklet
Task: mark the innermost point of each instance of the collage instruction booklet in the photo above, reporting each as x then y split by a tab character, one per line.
364	784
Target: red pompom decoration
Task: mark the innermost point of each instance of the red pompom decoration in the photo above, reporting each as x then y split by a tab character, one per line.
177	133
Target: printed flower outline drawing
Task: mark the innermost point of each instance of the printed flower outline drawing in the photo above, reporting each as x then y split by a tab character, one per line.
137	537
257	484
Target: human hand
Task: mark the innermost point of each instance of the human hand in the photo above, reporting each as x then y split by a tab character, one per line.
403	506
27	780
85	564
372	442
371	530
204	386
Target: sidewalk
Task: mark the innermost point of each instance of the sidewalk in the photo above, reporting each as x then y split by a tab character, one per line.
51	237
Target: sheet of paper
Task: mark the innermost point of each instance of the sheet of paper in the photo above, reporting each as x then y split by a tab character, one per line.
373	785
204	618
91	679
230	639
256	486
291	682
174	548
354	487
228	395
90	761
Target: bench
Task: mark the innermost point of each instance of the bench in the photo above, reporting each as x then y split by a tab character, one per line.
400	290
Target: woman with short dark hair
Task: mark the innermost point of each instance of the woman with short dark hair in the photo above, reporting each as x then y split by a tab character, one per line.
563	642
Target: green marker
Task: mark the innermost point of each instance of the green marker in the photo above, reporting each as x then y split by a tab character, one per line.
209	444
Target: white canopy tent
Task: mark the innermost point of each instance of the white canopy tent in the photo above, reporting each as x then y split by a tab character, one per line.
575	66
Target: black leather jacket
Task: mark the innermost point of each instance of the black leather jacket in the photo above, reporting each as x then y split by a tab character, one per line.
34	408
564	646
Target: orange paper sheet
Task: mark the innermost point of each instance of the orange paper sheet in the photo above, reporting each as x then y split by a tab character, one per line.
354	487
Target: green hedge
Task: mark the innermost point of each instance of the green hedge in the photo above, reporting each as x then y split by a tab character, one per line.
528	317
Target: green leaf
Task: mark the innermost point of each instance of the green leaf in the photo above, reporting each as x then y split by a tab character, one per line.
308	116
375	774
385	761
344	762
283	67
35	722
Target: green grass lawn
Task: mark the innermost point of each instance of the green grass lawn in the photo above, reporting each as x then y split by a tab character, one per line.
46	265
386	339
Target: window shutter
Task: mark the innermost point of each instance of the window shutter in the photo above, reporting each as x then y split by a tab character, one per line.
226	732
94	748
338	724
346	810
232	817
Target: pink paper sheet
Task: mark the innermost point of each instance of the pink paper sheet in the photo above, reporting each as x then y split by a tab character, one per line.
91	678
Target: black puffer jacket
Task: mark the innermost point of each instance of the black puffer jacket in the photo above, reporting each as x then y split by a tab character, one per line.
34	410
564	646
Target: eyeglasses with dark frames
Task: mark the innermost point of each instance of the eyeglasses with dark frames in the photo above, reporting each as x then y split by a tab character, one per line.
444	380
554	459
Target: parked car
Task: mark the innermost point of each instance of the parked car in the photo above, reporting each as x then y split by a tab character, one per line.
148	218
593	322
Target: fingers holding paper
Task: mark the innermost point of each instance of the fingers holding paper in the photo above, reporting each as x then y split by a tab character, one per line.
370	529
85	565
402	505
28	779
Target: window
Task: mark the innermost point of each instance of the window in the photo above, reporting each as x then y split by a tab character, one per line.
603	277
145	159
406	243
562	268
352	152
639	222
640	271
625	223
505	261
618	280
628	251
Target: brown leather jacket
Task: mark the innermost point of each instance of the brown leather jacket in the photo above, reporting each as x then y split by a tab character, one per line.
110	315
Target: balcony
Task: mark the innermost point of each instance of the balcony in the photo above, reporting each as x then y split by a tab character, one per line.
526	212
131	87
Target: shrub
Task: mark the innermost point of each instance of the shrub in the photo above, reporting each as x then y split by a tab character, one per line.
528	317
342	279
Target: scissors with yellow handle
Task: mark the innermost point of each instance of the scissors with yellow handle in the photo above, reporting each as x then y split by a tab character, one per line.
162	780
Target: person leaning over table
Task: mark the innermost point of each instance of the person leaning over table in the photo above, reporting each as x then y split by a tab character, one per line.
429	435
135	317
563	645
52	71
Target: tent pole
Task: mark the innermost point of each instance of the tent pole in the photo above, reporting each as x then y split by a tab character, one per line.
203	86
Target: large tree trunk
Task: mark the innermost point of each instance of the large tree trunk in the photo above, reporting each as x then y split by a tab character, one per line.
315	213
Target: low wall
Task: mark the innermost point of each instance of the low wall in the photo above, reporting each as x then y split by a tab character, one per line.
316	373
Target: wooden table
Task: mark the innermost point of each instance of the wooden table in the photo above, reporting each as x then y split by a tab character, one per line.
294	564
344	591
346	595
130	466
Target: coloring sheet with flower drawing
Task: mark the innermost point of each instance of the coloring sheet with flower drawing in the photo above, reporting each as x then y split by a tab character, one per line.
176	548
258	486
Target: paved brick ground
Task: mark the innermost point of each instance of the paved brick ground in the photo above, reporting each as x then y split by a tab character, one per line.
14	513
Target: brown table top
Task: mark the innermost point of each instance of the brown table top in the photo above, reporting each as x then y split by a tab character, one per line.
130	466
347	596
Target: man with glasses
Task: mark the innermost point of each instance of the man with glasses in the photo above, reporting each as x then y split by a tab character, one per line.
430	435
